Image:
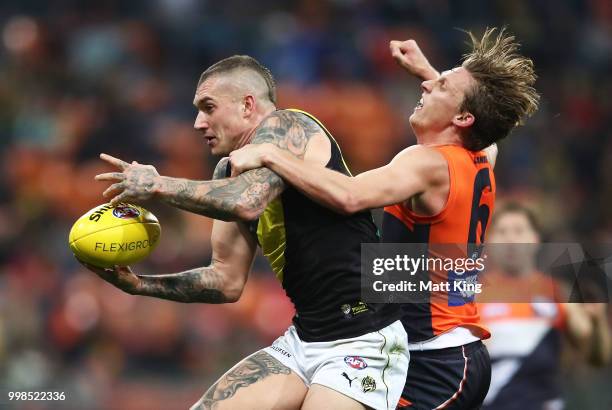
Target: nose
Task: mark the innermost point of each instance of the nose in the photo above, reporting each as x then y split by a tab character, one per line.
201	122
426	85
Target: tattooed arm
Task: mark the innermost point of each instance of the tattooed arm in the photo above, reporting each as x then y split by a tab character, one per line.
230	199
246	196
237	198
221	282
233	250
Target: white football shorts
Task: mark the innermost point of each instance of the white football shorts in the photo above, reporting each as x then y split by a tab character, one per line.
370	368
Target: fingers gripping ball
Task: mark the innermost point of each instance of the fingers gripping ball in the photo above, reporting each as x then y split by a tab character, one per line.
111	235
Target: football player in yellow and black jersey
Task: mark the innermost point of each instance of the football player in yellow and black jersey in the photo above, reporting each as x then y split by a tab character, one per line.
340	352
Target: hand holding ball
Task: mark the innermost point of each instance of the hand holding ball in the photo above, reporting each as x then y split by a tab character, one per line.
111	235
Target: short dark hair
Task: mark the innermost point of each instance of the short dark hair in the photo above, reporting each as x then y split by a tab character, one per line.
237	62
517	208
503	96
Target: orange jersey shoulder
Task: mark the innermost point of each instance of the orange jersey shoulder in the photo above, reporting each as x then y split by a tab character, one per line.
463	220
470	202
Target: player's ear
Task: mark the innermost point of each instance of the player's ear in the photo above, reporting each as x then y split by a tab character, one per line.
248	107
464	119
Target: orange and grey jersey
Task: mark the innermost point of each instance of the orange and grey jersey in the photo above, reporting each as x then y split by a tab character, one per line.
463	221
316	255
525	348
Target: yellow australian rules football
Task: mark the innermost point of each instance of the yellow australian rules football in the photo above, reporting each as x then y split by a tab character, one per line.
114	235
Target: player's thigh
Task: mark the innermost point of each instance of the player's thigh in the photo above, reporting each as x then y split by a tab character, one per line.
320	397
258	382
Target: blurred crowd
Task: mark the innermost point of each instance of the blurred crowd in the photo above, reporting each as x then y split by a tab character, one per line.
81	77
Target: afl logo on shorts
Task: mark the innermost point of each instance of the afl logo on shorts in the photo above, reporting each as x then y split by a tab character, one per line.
355	362
126	212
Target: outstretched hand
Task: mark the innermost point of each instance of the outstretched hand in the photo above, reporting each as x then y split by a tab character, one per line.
410	57
135	182
121	277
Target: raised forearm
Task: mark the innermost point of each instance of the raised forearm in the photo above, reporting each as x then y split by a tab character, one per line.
228	199
329	188
199	197
410	57
428	73
203	285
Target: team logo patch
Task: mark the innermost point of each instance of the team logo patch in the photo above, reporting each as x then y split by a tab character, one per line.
355	362
126	212
354	310
346	308
368	384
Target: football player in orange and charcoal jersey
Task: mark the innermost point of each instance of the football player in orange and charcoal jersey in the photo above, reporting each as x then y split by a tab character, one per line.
440	190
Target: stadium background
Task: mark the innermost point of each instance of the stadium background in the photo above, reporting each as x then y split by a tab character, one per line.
78	78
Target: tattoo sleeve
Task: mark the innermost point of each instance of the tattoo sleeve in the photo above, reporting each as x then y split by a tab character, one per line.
202	285
246	196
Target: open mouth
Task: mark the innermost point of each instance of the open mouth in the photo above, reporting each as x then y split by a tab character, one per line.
419	105
210	139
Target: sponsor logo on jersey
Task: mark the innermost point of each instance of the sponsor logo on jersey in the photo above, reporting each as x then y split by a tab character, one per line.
355	362
126	212
462	287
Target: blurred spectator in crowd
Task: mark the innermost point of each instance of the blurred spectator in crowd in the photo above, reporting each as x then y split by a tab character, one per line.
528	320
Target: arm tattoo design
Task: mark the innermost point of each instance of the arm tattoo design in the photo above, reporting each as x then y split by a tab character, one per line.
246	196
252	370
288	130
197	285
221	168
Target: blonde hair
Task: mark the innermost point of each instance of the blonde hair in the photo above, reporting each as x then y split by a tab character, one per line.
503	96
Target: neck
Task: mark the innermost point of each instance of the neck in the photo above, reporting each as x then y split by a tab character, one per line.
447	136
248	135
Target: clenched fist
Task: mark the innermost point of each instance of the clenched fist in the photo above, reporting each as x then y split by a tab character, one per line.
410	57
